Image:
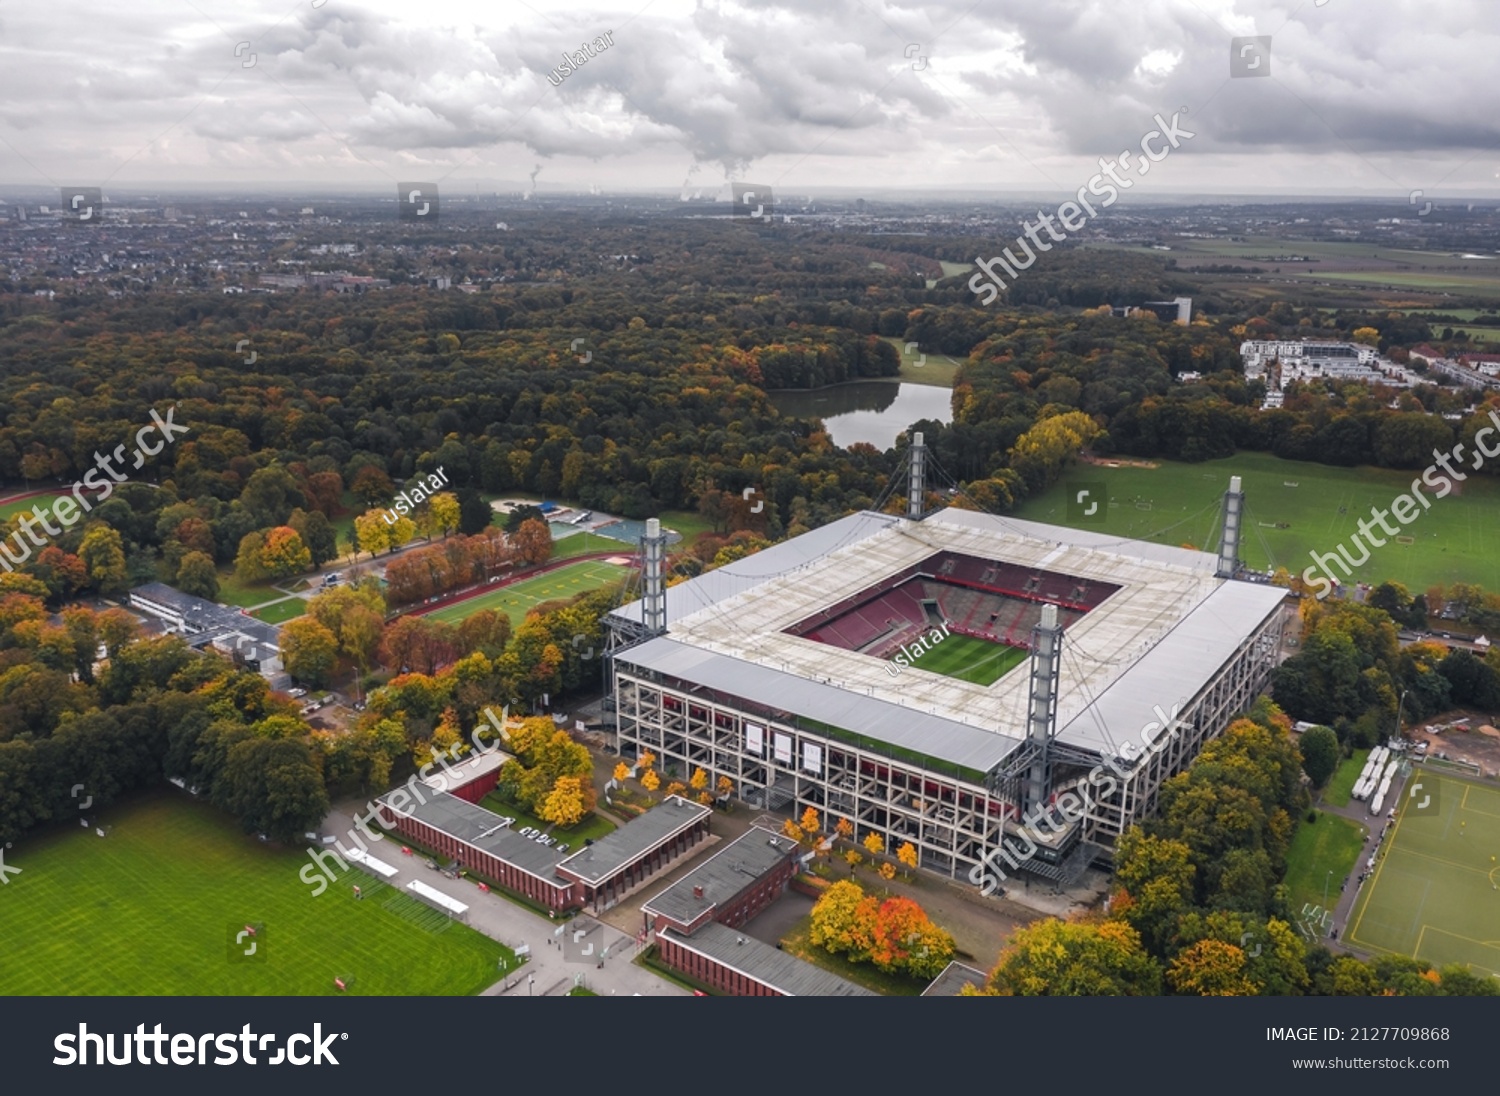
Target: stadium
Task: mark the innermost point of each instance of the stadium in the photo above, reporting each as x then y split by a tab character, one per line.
946	679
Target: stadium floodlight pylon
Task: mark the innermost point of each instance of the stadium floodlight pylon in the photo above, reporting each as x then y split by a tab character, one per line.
1229	539
654	579
1041	723
916	479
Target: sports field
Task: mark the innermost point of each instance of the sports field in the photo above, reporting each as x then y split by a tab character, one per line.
516	599
10	507
1435	893
153	909
1319	506
974	660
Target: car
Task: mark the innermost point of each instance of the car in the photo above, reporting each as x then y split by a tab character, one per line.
562	848
296	694
431	863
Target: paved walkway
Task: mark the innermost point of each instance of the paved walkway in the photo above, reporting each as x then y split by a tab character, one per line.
1376	830
555	959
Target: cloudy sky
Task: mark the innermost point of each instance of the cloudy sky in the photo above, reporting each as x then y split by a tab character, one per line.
1371	97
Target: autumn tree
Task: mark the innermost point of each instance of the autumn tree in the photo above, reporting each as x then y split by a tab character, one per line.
699	780
622	773
250	560
308	650
1077	958
564	805
442	513
650	781
283	553
532	541
725	787
1210	968
887	870
905	941
875	843
843	921
907	854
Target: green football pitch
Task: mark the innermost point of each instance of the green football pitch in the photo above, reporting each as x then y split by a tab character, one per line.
515	600
1435	893
153	909
974	660
1293	508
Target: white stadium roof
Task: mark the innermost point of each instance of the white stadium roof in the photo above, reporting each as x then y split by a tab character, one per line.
1156	641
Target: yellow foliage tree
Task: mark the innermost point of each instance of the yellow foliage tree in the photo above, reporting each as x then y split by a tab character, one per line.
677	787
907	854
875	843
646	760
650	781
725	787
699	780
564	805
844	828
622	772
706	798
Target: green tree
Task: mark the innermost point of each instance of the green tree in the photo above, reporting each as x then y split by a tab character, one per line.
103	555
308	650
1321	754
197	575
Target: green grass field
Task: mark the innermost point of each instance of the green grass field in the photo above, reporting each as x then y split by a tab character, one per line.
1178	503
1341	784
515	600
1322	855
151	909
974	660
1435	893
282	611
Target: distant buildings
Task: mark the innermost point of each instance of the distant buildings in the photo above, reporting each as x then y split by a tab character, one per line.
1473	370
1177	310
1280	362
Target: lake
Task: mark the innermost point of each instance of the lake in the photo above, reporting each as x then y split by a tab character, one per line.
869	411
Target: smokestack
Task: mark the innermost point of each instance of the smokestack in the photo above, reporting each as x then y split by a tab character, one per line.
916	477
1229	541
654	580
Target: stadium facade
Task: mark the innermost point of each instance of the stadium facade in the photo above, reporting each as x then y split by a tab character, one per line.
774	671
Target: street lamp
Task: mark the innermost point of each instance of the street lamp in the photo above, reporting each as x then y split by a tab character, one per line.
1326	880
530	978
1399	704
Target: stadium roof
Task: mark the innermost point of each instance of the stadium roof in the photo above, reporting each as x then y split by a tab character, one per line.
1160	637
767	965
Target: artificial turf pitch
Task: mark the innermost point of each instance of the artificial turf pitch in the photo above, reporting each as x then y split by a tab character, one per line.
516	599
153	909
977	661
1435	894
